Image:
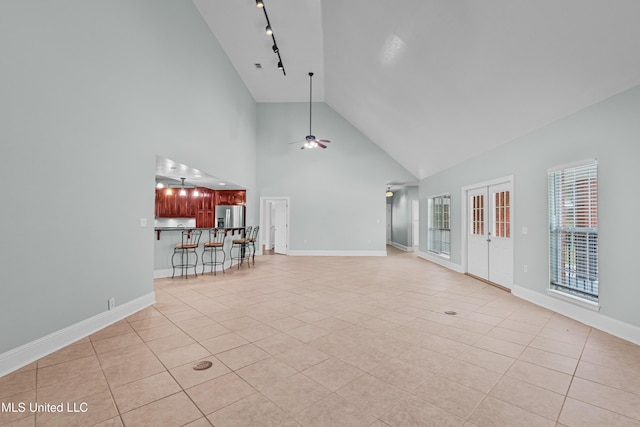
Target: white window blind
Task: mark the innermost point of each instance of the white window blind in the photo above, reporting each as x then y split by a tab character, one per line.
439	238
573	221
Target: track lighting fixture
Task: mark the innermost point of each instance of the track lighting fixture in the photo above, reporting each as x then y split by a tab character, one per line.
269	31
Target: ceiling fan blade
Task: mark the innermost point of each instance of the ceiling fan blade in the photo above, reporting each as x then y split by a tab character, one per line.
323	140
296	142
302	148
321	145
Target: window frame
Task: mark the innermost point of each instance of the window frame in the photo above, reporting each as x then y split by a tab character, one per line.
443	226
573	231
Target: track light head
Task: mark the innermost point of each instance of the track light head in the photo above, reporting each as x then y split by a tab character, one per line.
275	48
280	66
268	30
259	4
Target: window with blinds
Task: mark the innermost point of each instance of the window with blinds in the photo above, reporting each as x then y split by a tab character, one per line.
573	221
439	228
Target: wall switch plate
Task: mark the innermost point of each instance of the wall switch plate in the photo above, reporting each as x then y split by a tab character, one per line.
525	230
111	303
526	268
143	222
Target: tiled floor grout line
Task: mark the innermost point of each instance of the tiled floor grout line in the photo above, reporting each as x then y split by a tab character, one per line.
376	318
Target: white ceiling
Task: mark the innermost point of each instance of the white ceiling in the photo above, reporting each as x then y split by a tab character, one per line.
434	82
172	172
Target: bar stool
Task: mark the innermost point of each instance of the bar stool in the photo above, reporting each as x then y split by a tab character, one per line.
212	247
252	242
190	241
241	246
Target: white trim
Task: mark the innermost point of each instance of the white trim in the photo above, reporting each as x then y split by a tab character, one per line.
489	183
573	299
440	260
592	318
168	272
401	247
262	219
34	350
509	179
575	164
161	274
337	253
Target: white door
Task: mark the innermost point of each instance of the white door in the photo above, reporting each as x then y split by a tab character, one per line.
489	234
501	240
280	222
477	235
415	220
388	223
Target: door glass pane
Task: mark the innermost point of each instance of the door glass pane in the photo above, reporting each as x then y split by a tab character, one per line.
502	218
478	215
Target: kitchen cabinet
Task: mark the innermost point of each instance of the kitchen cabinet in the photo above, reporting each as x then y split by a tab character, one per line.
201	207
231	197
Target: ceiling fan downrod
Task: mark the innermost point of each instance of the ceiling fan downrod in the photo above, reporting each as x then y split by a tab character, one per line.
310	92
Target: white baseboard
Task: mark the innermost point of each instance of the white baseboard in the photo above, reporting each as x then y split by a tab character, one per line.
441	261
168	272
587	316
34	350
337	253
401	247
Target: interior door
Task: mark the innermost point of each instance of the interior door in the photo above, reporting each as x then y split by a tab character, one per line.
415	221
388	223
478	233
501	240
280	222
489	234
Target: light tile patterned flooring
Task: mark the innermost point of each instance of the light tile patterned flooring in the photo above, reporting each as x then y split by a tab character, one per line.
336	342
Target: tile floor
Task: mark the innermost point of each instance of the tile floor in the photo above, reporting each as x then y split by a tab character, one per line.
336	342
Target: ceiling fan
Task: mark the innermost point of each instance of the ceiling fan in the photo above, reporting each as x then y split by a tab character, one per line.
310	141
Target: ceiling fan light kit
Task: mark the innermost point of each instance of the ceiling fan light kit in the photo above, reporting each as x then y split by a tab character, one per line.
310	141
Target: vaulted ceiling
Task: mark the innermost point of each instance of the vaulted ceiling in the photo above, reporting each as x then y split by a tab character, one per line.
433	82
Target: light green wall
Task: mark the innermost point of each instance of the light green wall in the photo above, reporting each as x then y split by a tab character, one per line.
90	92
608	131
337	195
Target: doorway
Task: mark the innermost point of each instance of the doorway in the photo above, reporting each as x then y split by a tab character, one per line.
489	231
274	221
415	223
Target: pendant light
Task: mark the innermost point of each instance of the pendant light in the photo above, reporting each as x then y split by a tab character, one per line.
389	193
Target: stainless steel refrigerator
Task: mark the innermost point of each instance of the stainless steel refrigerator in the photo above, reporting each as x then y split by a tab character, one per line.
229	216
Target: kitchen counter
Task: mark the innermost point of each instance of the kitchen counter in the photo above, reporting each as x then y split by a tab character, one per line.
158	230
163	248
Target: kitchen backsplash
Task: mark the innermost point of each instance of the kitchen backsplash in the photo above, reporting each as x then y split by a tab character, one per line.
175	222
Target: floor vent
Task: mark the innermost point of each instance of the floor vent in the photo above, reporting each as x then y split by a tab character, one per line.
201	366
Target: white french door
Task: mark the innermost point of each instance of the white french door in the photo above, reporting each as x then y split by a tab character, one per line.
490	233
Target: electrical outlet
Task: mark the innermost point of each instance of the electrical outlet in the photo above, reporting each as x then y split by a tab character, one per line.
111	303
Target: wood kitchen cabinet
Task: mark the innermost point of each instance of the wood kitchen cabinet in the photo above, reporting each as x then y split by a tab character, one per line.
231	197
176	206
201	207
